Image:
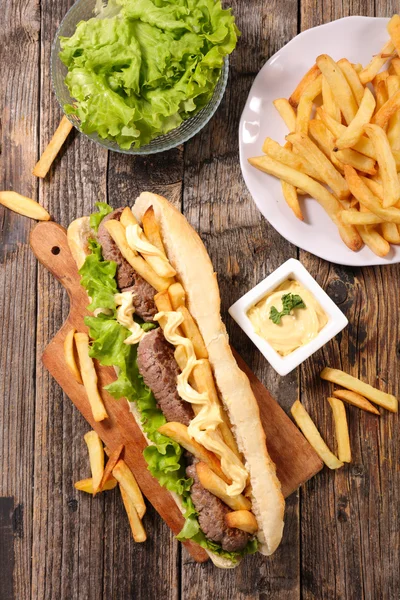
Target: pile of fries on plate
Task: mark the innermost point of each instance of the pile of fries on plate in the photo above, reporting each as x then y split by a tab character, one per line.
343	146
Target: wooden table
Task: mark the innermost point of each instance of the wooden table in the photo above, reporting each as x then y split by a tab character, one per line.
342	529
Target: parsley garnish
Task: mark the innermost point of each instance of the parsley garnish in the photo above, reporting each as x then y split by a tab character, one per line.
289	302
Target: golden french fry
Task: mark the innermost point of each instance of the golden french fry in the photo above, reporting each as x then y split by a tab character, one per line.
377	62
352	78
352	383
162	301
46	160
86	485
322	137
395	62
128	483
329	103
375	187
287	112
367	198
310	76
117	232
362	163
69	355
359	218
128	218
287	157
381	94
363	146
156	259
112	461
89	377
242	519
214	484
192	332
23	206
313	154
177	295
393	131
390	232
332	206
305	106
393	28
311	433
138	532
384	114
96	458
356	400
152	229
387	165
342	430
290	194
339	86
356	128
178	432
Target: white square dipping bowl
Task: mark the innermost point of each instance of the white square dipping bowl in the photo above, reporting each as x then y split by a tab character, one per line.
291	269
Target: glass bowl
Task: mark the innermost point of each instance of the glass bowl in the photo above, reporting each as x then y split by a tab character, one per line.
83	10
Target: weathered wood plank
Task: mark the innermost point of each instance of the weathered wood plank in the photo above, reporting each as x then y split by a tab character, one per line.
244	249
351	556
19	39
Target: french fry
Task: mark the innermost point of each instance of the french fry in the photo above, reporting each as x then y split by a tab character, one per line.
396	65
362	163
96	458
348	233
23	206
177	295
310	76
287	157
117	232
152	229
86	485
329	103
69	355
393	131
383	399
162	301
373	239
214	484
387	165
290	194
390	232
342	430
242	519
381	94
367	198
356	128
128	218
352	78
313	154
384	114
138	532
305	106
191	331
42	167
339	86
359	218
89	377
178	432
375	187
156	259
287	112
311	433
376	64
356	400
393	28
363	146
128	483
112	461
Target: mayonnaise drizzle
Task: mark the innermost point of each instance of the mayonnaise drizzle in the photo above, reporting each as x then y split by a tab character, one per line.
138	242
203	427
125	312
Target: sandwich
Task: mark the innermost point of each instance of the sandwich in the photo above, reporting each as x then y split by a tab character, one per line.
155	317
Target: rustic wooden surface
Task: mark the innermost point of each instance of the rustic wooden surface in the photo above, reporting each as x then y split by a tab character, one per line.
341	536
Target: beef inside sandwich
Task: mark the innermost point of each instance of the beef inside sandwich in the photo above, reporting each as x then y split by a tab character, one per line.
144	324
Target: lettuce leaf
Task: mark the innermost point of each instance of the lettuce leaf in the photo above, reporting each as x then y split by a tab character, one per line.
98	278
141	67
96	218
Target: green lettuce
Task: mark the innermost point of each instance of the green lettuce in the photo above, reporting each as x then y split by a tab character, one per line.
141	67
164	458
96	218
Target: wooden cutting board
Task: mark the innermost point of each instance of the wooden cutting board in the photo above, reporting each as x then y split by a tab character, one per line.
295	460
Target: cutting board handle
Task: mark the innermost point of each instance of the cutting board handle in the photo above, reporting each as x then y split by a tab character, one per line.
49	243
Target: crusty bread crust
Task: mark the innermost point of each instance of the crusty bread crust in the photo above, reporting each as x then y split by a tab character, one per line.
190	259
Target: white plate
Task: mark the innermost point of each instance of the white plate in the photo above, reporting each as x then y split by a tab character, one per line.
356	38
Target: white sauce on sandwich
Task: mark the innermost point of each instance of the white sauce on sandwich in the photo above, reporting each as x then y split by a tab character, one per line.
125	312
138	242
203	427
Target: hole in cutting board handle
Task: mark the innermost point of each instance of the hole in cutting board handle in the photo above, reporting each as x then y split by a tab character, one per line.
55	250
